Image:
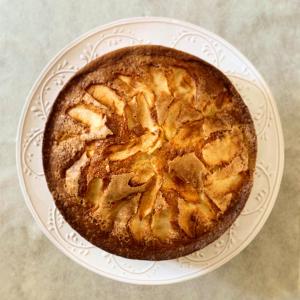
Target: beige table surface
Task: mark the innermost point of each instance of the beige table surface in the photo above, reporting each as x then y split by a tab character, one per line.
32	32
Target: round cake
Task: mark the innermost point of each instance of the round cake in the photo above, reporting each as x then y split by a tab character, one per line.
149	153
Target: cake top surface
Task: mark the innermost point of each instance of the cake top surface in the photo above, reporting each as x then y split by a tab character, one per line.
149	148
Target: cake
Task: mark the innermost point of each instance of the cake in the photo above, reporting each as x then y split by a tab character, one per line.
149	153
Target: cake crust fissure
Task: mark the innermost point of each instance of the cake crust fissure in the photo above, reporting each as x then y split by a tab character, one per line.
149	153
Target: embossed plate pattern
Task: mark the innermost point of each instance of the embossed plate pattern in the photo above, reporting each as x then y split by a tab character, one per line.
182	36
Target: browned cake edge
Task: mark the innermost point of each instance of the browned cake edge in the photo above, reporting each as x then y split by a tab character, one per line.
85	226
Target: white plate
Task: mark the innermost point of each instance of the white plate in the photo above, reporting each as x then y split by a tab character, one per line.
194	40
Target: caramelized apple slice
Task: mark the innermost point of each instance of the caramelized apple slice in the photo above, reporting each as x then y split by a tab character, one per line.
211	106
188	114
201	212
225	185
136	87
186	210
107	97
162	104
131	113
188	168
124	214
95	121
144	113
140	228
73	174
219	190
149	196
181	83
141	88
95	191
120	152
147	143
125	79
206	207
222	150
188	136
211	125
161	224
237	165
90	100
87	116
170	124
143	170
119	187
160	84
186	191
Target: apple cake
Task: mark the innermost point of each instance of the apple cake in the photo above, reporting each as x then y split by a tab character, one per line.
149	153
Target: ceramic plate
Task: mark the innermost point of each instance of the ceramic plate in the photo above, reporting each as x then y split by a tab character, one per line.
182	36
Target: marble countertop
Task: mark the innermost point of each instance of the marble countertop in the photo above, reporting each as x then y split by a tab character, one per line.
32	32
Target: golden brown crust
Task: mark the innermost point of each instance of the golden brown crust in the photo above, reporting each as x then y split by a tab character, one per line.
149	153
